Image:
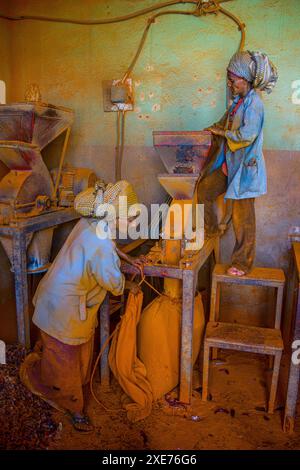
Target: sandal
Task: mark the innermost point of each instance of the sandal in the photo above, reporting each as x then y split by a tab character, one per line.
235	272
81	423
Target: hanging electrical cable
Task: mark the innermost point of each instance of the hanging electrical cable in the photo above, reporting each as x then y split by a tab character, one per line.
202	8
241	26
117	19
145	34
117	156
122	143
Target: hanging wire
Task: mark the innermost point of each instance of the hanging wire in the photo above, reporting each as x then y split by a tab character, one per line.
122	142
103	21
145	34
104	346
117	156
202	8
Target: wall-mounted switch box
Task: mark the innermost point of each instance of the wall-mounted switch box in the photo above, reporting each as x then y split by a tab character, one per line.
119	93
117	96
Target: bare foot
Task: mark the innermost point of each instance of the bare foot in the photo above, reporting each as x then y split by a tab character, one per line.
235	272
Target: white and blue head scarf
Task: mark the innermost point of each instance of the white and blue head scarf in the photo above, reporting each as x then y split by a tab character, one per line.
256	68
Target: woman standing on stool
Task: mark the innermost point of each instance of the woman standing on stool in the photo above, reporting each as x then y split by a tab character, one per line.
238	169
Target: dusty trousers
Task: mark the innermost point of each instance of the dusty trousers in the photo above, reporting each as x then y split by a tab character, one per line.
243	218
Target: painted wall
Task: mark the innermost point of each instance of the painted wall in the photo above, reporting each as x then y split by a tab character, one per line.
5	48
179	84
179	78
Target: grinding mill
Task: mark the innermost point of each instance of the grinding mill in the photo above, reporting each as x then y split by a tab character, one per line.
32	202
26	188
183	154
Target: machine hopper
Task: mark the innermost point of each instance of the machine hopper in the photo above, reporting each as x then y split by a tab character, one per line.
26	186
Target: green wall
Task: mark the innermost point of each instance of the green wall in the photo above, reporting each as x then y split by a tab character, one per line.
181	70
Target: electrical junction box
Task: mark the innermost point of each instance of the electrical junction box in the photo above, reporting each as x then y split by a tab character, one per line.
117	96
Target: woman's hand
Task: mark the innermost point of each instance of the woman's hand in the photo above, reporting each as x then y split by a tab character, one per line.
137	262
217	131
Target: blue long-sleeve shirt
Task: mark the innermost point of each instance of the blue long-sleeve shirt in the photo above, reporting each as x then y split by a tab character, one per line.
244	153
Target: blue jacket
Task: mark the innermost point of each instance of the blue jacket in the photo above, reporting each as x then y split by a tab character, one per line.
244	157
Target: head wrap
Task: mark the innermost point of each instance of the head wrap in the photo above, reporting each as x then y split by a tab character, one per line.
256	68
97	201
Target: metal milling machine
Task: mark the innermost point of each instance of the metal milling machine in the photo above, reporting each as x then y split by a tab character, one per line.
31	203
183	154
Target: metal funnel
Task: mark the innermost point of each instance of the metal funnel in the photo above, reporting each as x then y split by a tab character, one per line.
183	152
35	123
178	186
26	189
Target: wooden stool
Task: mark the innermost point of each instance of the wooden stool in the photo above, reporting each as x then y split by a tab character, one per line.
242	337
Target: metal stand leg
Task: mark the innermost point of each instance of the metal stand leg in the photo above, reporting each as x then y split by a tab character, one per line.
274	383
205	372
104	335
214	309
186	355
21	288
